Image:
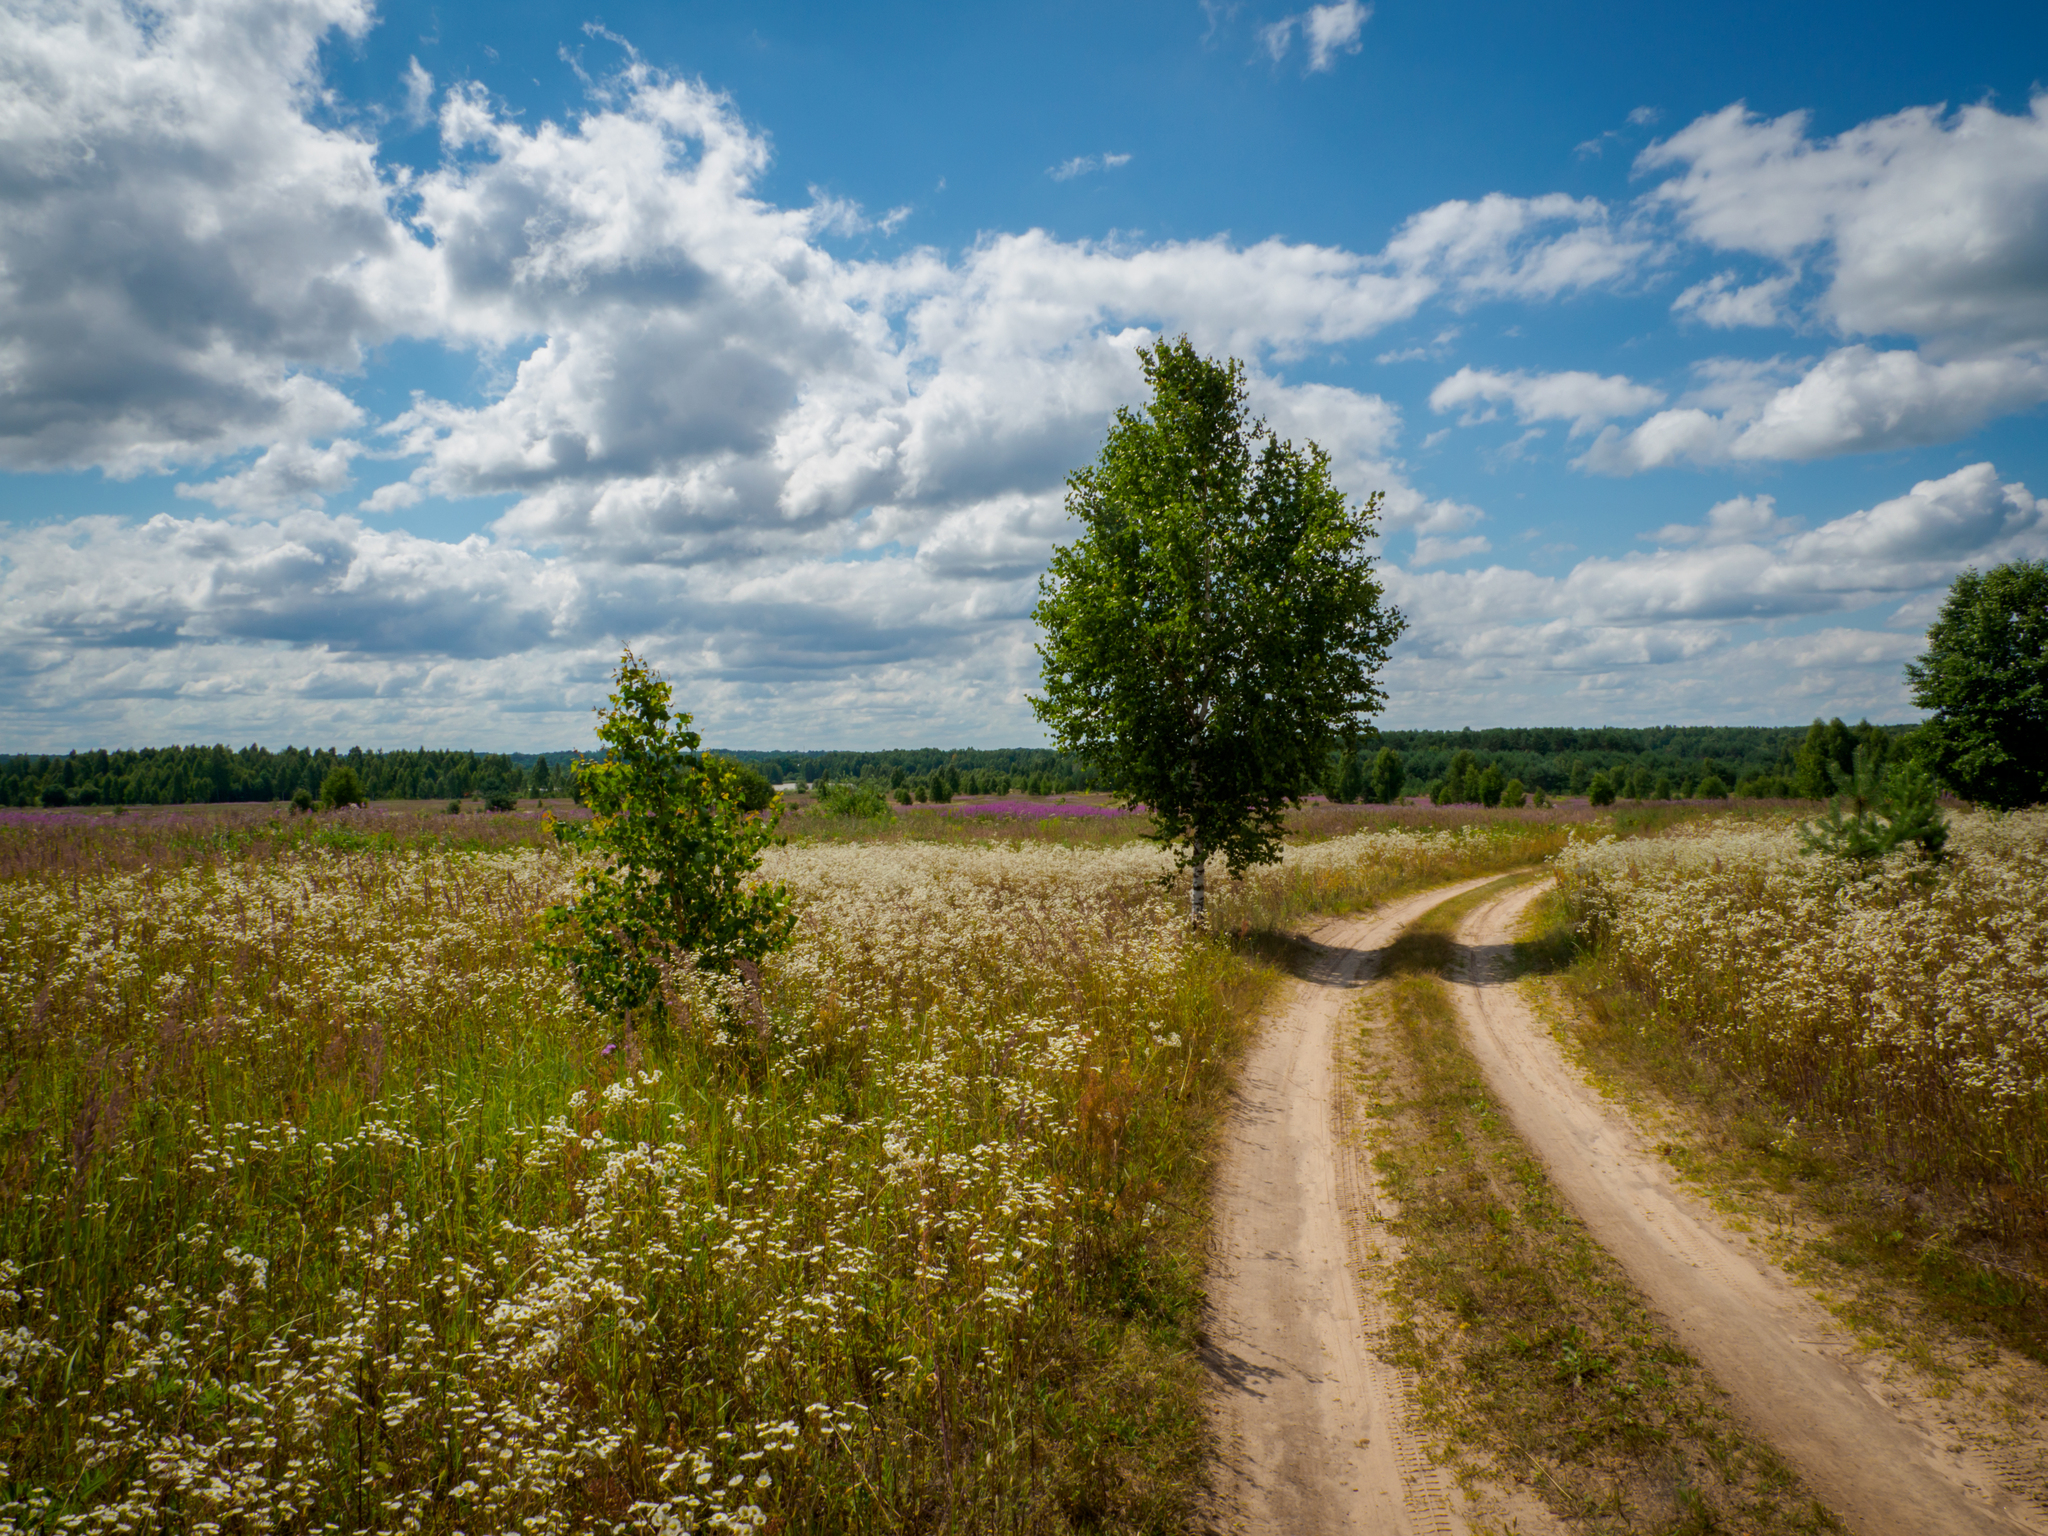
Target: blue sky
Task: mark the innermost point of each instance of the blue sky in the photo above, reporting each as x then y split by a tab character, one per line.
372	375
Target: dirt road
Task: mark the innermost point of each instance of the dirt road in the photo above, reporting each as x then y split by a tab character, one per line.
1311	1424
1867	1451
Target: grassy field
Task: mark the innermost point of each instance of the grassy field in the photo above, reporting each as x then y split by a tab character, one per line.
324	1206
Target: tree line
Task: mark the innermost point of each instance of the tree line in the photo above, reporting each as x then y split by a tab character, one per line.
189	775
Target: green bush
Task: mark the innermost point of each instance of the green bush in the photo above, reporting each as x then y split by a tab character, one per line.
740	783
340	789
862	800
1601	790
302	800
1710	788
454	807
499	800
1512	795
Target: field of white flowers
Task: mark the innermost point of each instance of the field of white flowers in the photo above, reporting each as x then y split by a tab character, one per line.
1905	1004
326	1206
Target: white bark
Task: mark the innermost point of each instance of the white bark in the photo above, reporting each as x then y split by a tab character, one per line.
1198	904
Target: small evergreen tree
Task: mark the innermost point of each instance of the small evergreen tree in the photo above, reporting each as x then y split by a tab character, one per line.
1600	790
340	789
1886	810
1388	776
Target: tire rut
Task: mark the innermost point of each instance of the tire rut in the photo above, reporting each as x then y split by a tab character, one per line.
1313	1430
1790	1369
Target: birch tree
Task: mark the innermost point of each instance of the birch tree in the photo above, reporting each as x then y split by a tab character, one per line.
1217	629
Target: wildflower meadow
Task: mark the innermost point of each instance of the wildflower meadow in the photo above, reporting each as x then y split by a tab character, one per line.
1902	1001
327	1206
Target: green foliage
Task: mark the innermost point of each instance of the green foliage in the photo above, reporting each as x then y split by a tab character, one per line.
500	800
1389	774
1601	790
1491	782
1984	677
302	800
1710	788
677	885
746	786
1459	786
454	807
1351	786
1886	810
1513	796
861	800
340	789
1217	629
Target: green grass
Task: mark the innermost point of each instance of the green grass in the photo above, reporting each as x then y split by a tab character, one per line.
1536	1356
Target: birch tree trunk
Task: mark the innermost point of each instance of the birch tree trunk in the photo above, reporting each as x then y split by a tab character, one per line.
1198	904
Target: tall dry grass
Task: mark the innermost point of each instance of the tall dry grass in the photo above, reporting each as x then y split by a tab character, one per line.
1907	1006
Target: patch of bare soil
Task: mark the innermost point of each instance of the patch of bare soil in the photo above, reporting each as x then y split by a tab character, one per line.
1880	1453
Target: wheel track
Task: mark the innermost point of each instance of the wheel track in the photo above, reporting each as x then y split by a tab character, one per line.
1790	1369
1314	1430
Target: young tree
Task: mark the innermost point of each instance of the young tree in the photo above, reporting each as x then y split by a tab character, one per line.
340	789
1984	677
682	853
1388	776
1217	629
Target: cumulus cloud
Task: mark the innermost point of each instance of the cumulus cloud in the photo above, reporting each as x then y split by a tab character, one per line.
1722	300
1854	400
181	249
1325	31
1586	400
1932	223
1672	633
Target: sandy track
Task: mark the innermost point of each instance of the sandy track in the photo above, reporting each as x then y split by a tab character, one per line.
1784	1360
1310	1425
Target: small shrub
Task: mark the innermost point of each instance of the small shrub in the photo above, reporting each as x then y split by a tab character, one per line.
1710	788
454	807
1601	790
499	800
340	789
1512	795
302	801
861	800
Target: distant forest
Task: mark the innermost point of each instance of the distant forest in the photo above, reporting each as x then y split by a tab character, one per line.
1559	760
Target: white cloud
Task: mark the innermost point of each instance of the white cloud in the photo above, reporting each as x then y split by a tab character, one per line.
1722	301
1854	400
179	245
1081	165
1434	551
419	94
1325	30
1740	519
1584	399
1932	224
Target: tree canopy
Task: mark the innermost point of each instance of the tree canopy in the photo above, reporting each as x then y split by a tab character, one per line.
1217	629
1984	677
